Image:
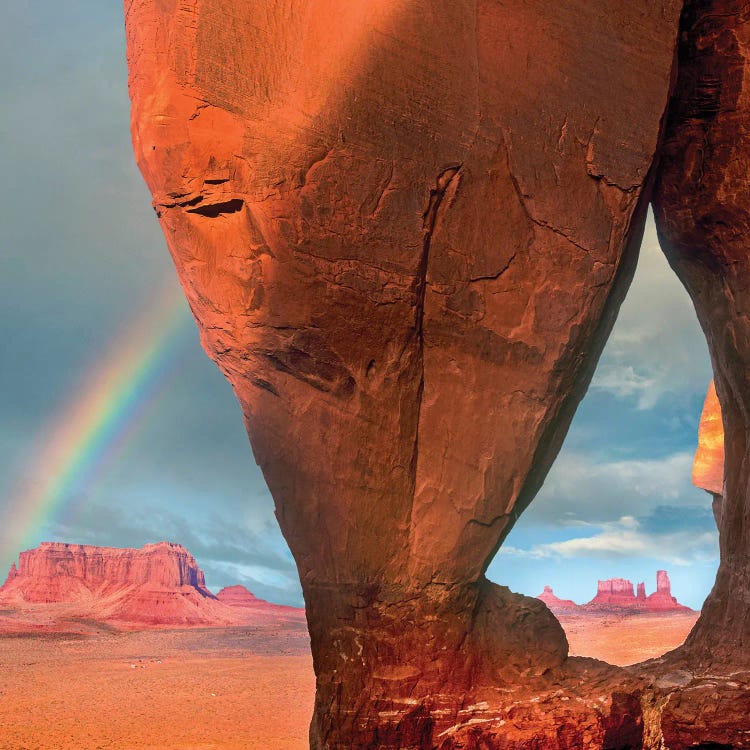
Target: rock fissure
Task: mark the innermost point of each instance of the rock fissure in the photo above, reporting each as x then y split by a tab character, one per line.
429	220
217	208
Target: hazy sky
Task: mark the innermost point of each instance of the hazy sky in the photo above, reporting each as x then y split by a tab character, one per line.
83	254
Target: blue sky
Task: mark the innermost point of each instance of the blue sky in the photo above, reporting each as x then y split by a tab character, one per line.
82	251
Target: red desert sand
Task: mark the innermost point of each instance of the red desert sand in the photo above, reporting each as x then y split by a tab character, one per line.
235	688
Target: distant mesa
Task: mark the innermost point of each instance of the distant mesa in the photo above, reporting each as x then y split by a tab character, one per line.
615	593
618	595
238	596
156	586
160	584
555	603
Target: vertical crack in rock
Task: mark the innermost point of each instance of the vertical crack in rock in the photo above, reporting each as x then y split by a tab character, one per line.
429	222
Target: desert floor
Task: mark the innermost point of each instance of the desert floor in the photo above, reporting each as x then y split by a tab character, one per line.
227	688
626	639
212	689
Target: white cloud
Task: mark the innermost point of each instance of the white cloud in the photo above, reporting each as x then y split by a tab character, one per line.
657	346
582	489
628	538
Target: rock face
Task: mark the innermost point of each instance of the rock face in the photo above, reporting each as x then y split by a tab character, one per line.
708	467
662	600
405	230
702	207
160	584
12	573
555	604
702	210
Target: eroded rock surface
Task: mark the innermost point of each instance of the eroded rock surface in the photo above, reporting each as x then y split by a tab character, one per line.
405	230
614	592
702	207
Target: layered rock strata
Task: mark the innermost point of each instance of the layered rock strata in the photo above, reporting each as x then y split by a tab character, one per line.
614	592
160	584
404	230
252	609
56	585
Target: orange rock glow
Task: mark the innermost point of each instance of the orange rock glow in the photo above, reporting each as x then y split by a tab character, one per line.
708	467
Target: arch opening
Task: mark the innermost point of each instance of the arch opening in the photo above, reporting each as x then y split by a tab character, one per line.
618	504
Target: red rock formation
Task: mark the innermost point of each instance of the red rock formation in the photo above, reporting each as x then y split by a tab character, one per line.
254	610
617	594
159	584
405	230
12	573
555	604
614	593
43	572
708	466
662	600
663	584
238	596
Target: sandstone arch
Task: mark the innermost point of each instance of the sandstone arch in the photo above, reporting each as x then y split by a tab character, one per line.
702	207
405	229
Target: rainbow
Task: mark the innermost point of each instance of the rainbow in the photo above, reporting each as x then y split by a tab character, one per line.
103	414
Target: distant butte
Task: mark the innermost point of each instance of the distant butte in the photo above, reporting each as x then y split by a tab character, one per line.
238	596
617	595
554	603
159	585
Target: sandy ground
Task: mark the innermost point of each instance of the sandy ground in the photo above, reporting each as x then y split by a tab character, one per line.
626	639
220	688
234	688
